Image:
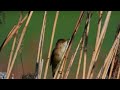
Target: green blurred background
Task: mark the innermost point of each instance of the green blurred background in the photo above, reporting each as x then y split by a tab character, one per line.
65	26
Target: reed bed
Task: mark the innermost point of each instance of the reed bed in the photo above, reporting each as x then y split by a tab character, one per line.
62	70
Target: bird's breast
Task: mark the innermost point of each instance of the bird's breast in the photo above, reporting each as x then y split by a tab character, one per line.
58	54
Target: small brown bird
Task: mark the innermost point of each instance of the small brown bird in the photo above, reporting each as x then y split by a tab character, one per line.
57	54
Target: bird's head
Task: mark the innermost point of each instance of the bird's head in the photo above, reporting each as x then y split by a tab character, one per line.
61	43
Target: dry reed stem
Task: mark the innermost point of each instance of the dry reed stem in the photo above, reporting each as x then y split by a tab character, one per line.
12	32
81	53
19	43
97	54
41	45
105	62
107	67
108	57
70	44
118	75
21	14
98	35
69	67
109	62
79	62
40	69
14	41
50	48
84	65
103	32
7	39
71	39
41	34
38	54
111	69
99	26
92	72
72	59
11	53
87	26
42	40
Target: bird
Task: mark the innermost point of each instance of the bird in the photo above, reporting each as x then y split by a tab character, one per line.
57	54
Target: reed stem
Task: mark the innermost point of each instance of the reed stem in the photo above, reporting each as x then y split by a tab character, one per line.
50	48
70	44
72	59
40	48
97	49
118	75
87	26
19	43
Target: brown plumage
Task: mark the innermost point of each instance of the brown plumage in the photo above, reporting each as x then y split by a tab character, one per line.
57	54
